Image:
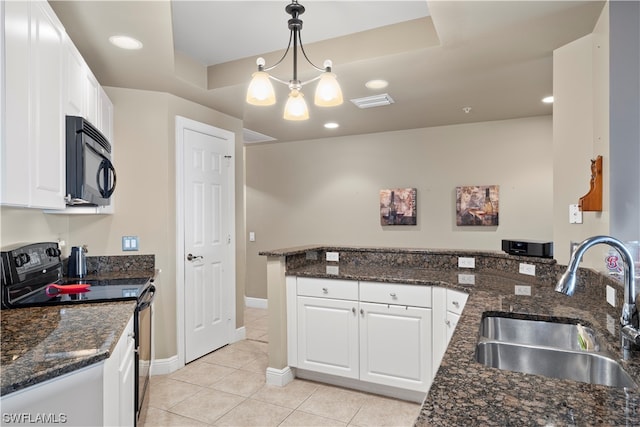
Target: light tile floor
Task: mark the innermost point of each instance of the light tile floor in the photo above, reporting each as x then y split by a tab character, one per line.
227	388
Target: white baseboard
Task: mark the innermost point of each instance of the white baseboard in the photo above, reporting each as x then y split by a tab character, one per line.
255	302
165	366
241	333
279	377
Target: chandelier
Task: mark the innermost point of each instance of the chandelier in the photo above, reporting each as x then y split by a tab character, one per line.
328	92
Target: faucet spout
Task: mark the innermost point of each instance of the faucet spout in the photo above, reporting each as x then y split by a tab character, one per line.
629	317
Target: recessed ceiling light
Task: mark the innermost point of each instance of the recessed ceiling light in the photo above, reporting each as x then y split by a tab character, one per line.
126	42
377	84
548	100
331	125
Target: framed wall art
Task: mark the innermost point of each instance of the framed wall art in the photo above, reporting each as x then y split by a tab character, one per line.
477	205
398	206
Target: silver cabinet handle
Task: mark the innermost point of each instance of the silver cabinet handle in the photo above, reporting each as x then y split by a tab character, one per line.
353	310
455	303
192	257
325	290
362	312
392	294
447	322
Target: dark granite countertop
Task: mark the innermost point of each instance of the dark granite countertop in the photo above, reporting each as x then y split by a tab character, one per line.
41	343
465	392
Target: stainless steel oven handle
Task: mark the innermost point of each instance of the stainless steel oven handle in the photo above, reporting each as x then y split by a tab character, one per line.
146	298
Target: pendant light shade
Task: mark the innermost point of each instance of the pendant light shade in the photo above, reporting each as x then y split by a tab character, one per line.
328	92
296	107
260	90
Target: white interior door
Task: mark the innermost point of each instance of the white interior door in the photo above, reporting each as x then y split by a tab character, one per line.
209	279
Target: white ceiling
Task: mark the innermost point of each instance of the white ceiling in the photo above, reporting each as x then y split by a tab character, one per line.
198	25
492	56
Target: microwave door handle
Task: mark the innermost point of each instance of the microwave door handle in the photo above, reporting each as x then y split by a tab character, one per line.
106	169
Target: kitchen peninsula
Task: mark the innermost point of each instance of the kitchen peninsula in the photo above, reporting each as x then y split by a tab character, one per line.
463	391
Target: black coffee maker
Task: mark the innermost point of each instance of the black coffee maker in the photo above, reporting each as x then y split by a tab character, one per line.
77	262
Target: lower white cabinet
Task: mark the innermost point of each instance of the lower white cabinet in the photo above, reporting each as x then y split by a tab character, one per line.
328	336
447	307
364	331
98	395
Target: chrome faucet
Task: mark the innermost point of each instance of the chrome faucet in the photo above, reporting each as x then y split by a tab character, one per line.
629	327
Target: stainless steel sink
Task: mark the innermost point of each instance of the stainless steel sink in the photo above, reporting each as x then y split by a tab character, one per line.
545	348
561	335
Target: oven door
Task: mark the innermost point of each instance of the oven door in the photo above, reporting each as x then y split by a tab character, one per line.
143	351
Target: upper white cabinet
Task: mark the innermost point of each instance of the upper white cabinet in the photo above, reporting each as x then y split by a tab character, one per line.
44	79
33	166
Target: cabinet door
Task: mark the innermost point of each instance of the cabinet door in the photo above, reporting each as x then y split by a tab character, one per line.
119	381
74	71
395	345
47	155
452	322
328	336
439	326
33	164
91	90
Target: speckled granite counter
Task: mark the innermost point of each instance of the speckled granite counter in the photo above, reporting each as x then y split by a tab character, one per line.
41	343
465	392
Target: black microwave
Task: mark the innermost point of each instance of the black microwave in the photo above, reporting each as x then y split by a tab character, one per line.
91	177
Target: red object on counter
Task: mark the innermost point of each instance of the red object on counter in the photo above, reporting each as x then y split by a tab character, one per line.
53	289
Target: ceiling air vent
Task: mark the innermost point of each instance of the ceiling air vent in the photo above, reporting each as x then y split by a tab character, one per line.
373	101
253	137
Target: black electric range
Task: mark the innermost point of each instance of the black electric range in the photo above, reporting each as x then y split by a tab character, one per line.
32	276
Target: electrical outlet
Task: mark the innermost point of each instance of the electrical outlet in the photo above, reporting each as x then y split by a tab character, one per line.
464	262
467	279
252	236
333	256
333	270
611	324
523	290
611	296
528	269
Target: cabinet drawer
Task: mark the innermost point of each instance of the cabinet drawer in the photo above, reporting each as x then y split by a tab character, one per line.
325	288
391	293
456	301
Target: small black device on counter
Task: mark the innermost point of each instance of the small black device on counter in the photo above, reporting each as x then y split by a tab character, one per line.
528	248
91	177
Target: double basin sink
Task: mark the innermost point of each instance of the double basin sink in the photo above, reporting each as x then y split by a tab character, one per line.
559	349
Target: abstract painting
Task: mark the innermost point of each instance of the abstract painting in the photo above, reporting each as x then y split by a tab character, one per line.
477	205
398	206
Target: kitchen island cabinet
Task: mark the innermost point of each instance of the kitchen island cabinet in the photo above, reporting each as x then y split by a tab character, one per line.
465	392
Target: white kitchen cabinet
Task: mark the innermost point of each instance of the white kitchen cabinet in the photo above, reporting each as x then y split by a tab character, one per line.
327	326
33	163
377	333
101	394
328	336
395	346
119	381
447	307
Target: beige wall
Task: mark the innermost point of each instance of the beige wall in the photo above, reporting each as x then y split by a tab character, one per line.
144	153
581	133
327	191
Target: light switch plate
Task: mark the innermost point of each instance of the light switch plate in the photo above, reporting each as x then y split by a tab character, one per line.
575	214
130	243
252	236
466	262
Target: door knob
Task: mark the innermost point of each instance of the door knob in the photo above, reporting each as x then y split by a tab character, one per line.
192	257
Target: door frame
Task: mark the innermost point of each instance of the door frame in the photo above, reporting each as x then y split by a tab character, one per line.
181	124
